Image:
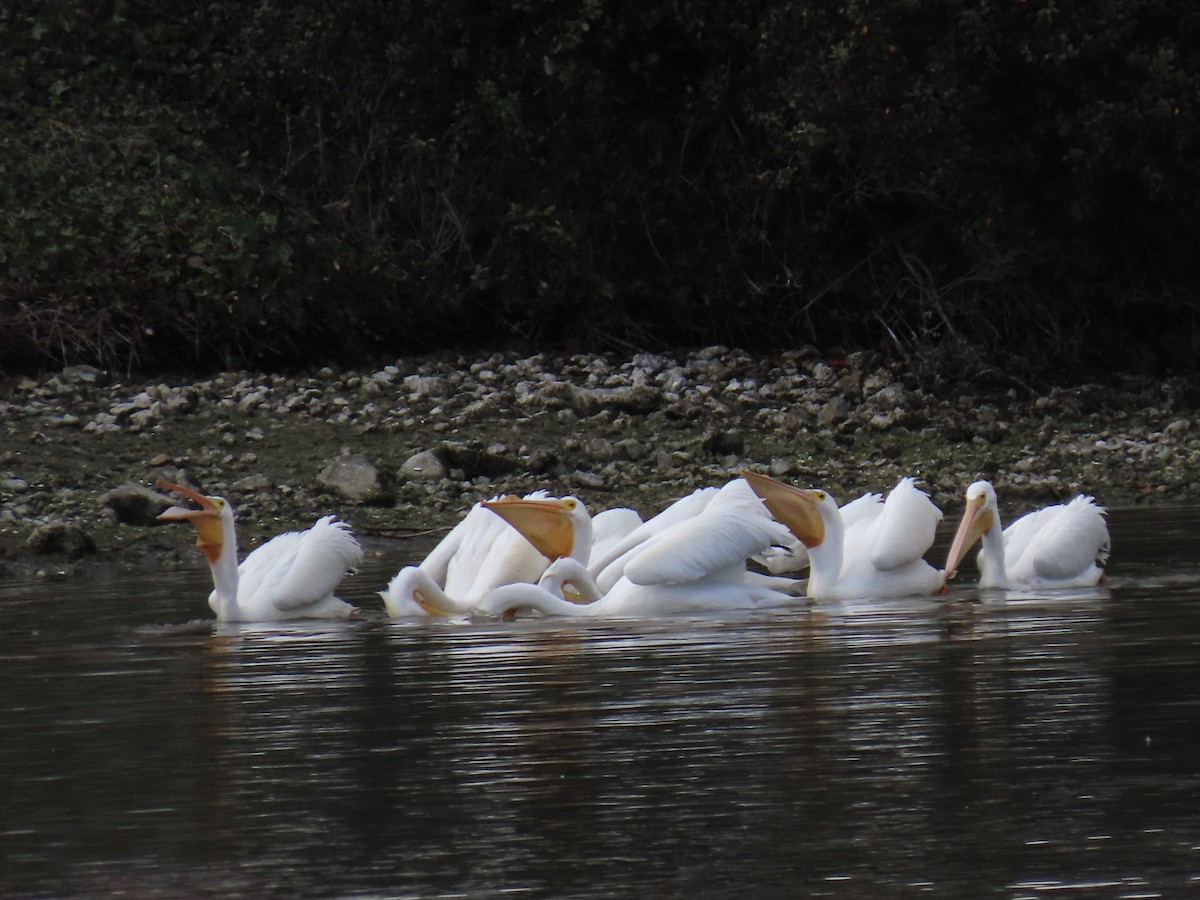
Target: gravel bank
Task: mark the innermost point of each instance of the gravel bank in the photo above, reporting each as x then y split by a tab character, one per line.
407	448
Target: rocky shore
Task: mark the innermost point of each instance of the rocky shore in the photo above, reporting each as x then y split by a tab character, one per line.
407	448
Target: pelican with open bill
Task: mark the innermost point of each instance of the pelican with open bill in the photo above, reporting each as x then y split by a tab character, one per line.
292	576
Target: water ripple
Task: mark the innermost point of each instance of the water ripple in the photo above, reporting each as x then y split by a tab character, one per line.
1028	746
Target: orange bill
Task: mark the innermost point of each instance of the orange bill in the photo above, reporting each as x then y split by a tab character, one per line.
790	506
545	523
975	522
210	535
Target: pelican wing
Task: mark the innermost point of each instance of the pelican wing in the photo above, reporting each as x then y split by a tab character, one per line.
511	559
452	564
1023	533
607	567
733	526
905	529
264	563
481	530
437	563
302	568
857	518
610	527
864	509
1070	541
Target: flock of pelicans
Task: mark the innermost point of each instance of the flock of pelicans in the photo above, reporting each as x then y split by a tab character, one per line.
543	554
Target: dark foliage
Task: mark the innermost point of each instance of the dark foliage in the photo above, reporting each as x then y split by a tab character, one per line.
277	183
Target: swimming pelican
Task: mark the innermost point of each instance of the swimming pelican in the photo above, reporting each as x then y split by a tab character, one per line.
793	556
292	576
698	564
1059	546
607	564
482	552
880	557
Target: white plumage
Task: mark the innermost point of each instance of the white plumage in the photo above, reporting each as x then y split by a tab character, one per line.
607	564
879	555
1060	546
483	552
793	556
292	576
696	562
732	526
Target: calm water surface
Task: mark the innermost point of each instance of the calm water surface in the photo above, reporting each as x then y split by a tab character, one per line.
953	748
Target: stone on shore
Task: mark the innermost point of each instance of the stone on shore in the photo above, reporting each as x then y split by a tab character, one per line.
833	412
476	460
639	430
61	539
423	466
724	443
133	504
356	478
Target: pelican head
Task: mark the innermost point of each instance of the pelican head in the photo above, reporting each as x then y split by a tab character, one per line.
978	518
800	510
551	524
207	520
412	593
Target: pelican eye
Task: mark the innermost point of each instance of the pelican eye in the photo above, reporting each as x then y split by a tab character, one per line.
570	505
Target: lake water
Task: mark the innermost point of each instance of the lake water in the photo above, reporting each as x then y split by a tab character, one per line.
950	747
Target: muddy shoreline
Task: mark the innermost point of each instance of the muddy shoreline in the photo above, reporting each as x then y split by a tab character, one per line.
405	449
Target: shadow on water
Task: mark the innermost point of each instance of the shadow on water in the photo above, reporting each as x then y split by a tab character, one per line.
966	746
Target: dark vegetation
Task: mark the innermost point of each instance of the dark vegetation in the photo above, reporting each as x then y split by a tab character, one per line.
274	184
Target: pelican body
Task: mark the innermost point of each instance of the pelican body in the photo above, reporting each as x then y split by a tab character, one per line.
292	576
879	557
1060	546
694	563
720	590
482	553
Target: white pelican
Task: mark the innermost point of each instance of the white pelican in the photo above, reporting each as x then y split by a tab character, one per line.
606	564
793	556
698	564
482	552
880	557
1060	546
611	527
292	576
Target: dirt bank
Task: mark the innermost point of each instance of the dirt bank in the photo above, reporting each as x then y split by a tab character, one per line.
409	447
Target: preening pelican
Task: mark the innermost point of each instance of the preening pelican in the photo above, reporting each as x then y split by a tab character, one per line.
880	557
698	564
482	553
292	576
1060	546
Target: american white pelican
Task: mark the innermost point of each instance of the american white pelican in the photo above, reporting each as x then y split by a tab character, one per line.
711	593
611	527
292	576
698	564
482	553
607	564
1060	546
880	557
793	556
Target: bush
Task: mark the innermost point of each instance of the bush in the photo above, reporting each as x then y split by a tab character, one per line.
278	184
